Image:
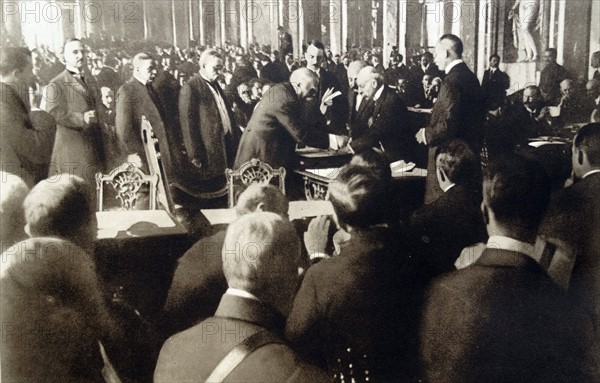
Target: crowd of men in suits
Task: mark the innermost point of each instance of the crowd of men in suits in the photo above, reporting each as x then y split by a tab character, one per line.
248	303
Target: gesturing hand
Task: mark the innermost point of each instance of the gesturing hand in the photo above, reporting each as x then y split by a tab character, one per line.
315	238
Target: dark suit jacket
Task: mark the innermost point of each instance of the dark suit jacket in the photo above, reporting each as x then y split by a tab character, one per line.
550	79
574	218
78	147
277	124
338	112
108	77
458	113
391	75
286	44
360	308
447	225
197	287
203	135
192	355
500	320
390	127
24	149
358	121
494	87
133	102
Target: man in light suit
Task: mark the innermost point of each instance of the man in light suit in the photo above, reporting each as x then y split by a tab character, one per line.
459	111
278	122
210	134
24	147
388	125
260	262
503	319
72	98
574	218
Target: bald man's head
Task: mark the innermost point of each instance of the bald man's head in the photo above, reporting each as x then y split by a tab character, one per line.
448	49
305	83
353	69
566	88
368	81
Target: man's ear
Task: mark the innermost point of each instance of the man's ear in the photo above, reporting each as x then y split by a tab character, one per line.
260	207
27	230
580	157
443	176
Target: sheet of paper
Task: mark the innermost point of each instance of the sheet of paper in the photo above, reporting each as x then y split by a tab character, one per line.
297	210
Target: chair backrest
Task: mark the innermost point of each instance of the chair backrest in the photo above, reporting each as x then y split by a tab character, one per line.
155	166
127	181
253	171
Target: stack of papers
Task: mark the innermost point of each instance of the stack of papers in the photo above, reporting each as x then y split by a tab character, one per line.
330	173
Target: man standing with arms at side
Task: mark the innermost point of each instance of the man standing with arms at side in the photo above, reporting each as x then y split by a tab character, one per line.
459	111
286	44
71	98
210	135
494	84
551	76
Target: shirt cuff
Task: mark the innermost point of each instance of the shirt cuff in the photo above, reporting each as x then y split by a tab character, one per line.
318	255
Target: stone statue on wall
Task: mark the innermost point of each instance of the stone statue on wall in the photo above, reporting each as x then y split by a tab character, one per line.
526	21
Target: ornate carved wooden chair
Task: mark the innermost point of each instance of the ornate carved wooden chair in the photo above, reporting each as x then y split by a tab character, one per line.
128	183
253	171
155	165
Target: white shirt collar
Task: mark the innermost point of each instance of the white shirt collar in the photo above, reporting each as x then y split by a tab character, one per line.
590	173
598	100
378	93
449	187
74	70
241	293
143	83
511	244
452	65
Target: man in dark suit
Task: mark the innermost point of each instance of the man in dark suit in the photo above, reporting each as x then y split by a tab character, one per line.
198	282
388	125
209	131
290	64
286	45
251	316
137	99
551	76
25	149
396	71
574	218
356	312
453	221
361	108
503	319
279	123
494	84
459	111
108	75
337	112
72	98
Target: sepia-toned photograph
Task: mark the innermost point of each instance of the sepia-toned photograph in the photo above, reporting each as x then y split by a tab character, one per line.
300	191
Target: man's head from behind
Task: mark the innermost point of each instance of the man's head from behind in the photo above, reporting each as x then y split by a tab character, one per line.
13	191
448	49
305	83
260	256
61	207
457	164
262	197
359	198
592	88
516	193
586	150
16	66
